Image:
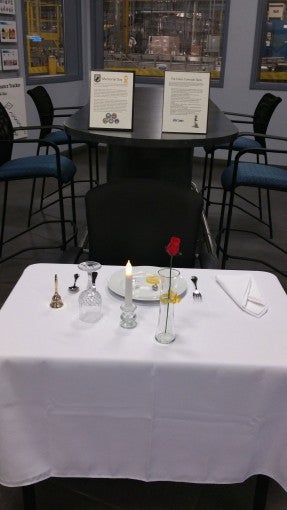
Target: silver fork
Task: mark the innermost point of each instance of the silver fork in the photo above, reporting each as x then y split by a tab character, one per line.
196	294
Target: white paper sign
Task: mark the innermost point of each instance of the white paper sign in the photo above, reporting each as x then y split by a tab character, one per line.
9	59
185	105
7	7
8	31
12	97
111	100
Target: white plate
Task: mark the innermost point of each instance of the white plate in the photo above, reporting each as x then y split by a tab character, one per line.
142	291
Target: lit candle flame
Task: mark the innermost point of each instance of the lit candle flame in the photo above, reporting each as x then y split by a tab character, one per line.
129	269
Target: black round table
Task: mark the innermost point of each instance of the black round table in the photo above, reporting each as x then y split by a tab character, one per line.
146	151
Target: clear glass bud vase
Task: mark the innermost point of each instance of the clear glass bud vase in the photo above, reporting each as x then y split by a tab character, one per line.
165	332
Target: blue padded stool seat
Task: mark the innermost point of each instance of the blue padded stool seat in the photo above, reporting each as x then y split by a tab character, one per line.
37	166
60	138
242	142
256	175
239	143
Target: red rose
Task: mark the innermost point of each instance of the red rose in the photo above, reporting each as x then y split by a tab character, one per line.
173	246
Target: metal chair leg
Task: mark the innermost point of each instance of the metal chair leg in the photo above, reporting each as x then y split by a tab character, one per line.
62	216
260	204
42	192
269	214
74	217
204	174
3	216
31	203
209	182
43	184
227	230
220	230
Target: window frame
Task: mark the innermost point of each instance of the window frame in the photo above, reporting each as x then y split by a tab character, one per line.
258	44
72	40
97	44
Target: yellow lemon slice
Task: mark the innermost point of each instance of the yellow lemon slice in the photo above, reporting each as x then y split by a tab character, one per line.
153	279
172	297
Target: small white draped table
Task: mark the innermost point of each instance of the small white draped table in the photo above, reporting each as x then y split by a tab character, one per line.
97	400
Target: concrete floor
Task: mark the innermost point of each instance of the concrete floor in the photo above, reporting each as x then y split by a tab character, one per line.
127	494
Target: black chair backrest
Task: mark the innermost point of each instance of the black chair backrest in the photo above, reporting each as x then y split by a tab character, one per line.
44	107
135	218
6	133
263	113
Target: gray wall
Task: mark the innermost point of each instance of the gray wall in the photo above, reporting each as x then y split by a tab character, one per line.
234	96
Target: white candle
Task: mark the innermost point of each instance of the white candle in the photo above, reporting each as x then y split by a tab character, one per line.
129	284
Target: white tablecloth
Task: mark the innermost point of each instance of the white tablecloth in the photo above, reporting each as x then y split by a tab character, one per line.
80	400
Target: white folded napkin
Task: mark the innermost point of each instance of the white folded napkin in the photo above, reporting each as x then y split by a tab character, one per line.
243	290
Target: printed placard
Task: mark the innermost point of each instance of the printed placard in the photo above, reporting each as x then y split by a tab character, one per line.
8	32
111	100
185	105
7	7
12	96
10	60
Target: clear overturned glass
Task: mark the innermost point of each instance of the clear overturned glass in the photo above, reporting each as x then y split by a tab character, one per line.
90	301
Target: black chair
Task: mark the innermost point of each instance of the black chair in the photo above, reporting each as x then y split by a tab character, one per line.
259	122
55	166
55	133
135	218
254	175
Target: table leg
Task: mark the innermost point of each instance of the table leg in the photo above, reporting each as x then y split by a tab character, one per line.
29	499
260	493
